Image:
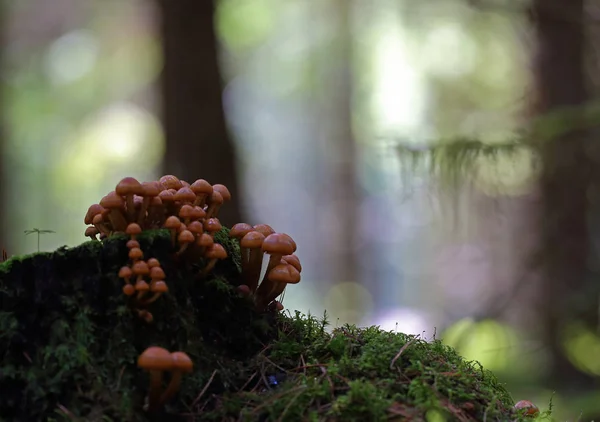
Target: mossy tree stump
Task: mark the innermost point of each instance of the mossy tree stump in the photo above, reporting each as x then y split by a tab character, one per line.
69	343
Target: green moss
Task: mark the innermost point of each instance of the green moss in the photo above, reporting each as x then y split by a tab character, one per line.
69	344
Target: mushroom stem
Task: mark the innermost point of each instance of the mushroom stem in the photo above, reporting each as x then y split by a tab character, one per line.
154	398
254	267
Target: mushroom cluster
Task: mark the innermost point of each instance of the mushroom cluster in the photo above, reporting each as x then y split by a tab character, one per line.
283	268
157	361
135	276
189	211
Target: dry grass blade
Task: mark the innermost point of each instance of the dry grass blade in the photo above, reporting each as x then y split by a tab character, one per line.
402	349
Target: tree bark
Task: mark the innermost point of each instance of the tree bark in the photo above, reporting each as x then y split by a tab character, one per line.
3	210
198	144
559	70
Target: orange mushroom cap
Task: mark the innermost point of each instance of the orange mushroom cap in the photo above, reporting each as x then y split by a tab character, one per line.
155	358
170	182
129	186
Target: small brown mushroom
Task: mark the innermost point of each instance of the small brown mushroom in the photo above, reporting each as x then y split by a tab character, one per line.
527	408
100	224
202	189
214	253
135	254
204	241
182	364
125	273
294	261
173	223
128	187
275	283
92	232
132	244
185	238
115	204
153	262
133	229
185	213
170	182
253	241
265	229
150	190
128	290
277	246
215	202
158	287
156	361
212	226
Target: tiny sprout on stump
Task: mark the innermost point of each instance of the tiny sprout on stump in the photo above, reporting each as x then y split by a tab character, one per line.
39	232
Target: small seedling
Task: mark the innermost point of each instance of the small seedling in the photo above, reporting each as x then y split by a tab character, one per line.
4	255
39	233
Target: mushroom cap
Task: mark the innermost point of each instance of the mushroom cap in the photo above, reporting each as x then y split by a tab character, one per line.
216	198
157	273
186	236
151	189
155	358
92	211
141	268
159	286
284	273
125	272
243	289
166	196
205	240
185	195
132	244
186	211
196	227
526	404
182	362
216	251
252	240
201	187
91	231
222	189
240	230
133	229
277	244
184	184
172	223
98	219
129	186
198	213
294	261
170	182
112	200
288	237
136	253
265	229
128	290
212	225
141	286
153	262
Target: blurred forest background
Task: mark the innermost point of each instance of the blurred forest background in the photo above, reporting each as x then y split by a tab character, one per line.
436	161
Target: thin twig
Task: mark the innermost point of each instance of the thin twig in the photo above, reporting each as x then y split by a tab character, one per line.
205	388
402	349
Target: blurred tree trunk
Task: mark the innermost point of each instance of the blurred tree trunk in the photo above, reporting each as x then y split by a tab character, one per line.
340	261
559	69
3	210
198	144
